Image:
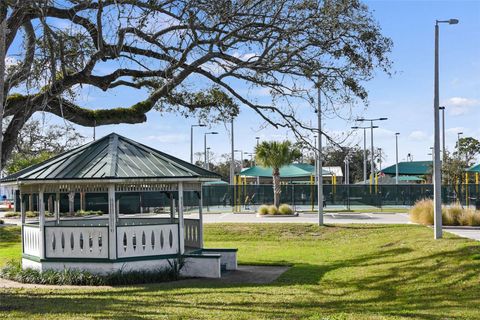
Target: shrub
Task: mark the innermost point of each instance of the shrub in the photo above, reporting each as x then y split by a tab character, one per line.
272	210
13	271
469	217
12	214
285	209
422	212
263	209
451	216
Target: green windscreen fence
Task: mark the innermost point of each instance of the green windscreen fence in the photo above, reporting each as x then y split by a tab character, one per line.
305	195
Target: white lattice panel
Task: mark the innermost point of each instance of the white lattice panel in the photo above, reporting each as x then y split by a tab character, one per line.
31	241
76	242
148	240
192	233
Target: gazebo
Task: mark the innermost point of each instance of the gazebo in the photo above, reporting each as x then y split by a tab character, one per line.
141	193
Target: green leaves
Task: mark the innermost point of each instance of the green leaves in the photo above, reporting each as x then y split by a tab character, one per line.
276	154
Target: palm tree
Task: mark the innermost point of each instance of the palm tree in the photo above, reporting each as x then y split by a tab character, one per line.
275	155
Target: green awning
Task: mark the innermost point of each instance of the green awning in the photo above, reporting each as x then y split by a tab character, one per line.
410	178
290	171
410	168
474	168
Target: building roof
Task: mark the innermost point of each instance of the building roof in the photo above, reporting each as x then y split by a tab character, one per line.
409	168
290	171
112	157
474	168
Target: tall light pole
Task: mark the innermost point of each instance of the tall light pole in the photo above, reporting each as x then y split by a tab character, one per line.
372	156
315	163
443	133
320	157
364	150
380	159
396	157
458	139
205	165
208	158
437	178
232	155
241	158
191	139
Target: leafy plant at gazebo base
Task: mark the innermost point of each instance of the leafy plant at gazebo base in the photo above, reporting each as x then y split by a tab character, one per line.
275	155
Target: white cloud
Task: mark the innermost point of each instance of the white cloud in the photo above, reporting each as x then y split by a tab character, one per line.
168	138
463	102
460	106
418	136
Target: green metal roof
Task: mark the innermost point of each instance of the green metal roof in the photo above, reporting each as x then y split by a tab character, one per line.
290	171
410	178
112	157
411	168
474	168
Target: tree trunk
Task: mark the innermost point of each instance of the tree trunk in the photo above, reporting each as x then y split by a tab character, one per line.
276	187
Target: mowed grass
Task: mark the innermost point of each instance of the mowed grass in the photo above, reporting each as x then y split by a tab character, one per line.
338	272
10	244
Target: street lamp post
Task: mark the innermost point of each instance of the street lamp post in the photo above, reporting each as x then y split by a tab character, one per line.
241	158
205	165
191	139
232	160
320	158
208	158
396	157
437	178
364	150
372	164
443	133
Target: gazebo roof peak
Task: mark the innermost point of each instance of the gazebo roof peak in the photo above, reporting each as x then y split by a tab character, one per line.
112	157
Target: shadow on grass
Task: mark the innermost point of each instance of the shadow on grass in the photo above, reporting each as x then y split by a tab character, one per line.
406	287
392	280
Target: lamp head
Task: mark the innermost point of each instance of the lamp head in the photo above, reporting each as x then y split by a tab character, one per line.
453	21
383	119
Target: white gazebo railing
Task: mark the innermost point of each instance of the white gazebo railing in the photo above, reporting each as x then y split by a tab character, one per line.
192	233
31	240
76	242
147	240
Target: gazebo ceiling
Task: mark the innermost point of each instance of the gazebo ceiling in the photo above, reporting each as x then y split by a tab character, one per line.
112	157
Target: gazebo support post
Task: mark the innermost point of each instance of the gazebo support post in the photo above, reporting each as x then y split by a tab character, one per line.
200	217
82	201
181	224
30	202
56	208
23	208
71	202
112	223
172	207
50	204
41	221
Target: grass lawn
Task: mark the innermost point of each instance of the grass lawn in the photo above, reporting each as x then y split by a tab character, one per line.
338	272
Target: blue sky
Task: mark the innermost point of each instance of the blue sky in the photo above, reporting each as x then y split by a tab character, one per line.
406	98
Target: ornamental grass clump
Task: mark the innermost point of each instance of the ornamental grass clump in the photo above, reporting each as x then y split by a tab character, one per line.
273	210
285	209
263	210
469	217
422	212
455	215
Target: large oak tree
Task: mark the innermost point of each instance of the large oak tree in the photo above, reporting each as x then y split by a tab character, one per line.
194	57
